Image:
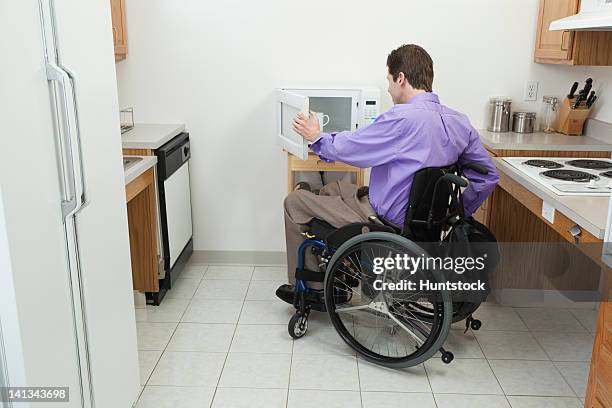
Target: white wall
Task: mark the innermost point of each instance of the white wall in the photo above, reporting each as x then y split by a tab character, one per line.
214	66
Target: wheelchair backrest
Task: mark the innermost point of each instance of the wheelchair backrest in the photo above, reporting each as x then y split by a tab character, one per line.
428	205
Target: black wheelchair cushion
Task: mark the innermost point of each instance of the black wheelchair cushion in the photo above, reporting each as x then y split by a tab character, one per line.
320	229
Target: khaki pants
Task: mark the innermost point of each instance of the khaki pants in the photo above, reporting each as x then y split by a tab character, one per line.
337	204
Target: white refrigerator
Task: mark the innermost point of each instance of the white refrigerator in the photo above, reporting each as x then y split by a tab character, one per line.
66	300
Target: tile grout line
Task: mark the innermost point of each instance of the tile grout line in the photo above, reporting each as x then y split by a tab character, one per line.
231	341
290	369
429	382
166	347
358	376
580	321
545	352
491	367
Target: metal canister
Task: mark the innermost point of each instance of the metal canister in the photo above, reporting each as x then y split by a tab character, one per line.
499	114
523	122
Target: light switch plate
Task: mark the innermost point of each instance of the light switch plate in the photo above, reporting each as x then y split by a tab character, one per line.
548	212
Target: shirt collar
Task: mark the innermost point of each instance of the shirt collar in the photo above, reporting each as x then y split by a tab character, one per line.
424	97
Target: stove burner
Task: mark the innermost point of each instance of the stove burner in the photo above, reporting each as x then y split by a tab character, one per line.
607	174
570	175
590	164
543	164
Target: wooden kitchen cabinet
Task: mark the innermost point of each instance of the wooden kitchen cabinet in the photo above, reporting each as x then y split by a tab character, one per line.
119	29
599	391
483	213
569	47
141	196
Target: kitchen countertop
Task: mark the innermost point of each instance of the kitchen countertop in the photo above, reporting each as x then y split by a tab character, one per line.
150	135
140	167
542	141
590	213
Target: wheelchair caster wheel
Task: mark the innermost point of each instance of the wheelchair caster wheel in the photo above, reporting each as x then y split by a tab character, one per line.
475	324
447	357
298	325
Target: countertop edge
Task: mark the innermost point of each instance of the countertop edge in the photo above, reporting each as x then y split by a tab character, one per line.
549	197
595	145
138	169
152	145
560	148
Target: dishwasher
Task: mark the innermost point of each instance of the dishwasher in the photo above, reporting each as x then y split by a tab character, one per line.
174	211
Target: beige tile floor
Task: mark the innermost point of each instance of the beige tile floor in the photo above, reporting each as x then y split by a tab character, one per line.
220	339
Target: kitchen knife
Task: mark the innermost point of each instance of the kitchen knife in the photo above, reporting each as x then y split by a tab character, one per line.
590	98
592	101
578	100
587	87
572	91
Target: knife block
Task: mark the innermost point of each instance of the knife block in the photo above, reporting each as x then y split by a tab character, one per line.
571	121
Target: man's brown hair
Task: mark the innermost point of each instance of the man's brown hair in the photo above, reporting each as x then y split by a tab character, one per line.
415	63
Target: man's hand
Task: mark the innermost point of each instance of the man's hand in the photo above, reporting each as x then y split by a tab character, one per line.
307	126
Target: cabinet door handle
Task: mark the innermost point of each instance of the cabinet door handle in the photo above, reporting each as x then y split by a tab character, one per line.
115	35
563	41
575	232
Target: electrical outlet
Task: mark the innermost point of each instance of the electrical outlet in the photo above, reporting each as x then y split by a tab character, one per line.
531	91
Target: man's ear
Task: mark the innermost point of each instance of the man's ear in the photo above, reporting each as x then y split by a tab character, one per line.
401	78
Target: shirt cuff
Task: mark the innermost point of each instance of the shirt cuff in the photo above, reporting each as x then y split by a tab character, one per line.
316	147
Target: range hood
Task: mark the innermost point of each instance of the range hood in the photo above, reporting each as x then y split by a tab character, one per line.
594	15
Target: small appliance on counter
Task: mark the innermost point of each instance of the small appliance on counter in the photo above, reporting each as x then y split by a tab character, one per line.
523	122
575	109
341	109
499	114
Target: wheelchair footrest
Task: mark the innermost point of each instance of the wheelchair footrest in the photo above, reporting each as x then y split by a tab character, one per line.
311	276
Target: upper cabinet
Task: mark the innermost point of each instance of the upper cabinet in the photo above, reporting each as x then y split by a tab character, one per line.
119	28
569	47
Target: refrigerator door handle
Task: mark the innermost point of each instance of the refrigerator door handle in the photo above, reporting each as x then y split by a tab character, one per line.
73	182
73	186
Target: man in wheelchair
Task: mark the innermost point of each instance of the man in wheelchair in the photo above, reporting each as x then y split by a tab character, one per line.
418	138
418	132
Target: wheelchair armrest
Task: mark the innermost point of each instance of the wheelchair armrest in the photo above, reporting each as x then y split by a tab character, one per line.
478	168
455	179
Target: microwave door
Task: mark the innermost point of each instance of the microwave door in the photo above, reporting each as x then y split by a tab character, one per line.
289	104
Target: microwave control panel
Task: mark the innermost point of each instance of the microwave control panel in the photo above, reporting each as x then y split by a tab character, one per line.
370	100
370	111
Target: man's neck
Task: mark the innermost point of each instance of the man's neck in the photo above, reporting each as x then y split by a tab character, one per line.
410	95
414	93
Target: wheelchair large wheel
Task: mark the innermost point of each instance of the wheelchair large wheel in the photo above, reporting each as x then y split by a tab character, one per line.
378	323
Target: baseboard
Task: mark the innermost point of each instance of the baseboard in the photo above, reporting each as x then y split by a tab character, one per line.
239	257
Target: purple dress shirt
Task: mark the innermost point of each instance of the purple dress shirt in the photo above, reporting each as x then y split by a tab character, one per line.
420	133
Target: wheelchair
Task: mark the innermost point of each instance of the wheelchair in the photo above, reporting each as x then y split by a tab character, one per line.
393	328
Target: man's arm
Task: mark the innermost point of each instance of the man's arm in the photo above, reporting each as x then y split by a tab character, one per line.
367	147
481	185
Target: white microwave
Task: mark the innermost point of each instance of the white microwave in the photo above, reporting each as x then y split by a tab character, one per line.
348	108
